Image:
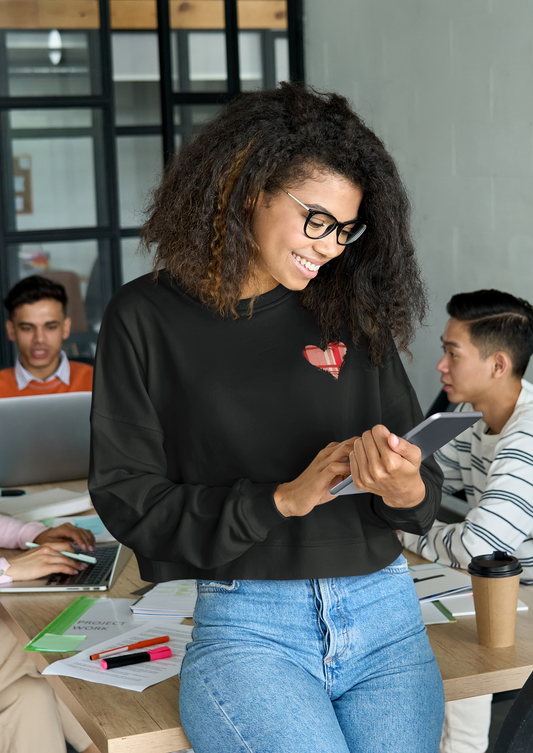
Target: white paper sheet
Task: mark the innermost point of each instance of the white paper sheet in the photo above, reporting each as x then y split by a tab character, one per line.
462	605
105	619
47	504
436	580
136	676
431	614
173	598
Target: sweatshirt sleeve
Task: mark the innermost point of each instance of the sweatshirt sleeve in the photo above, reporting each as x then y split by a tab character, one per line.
401	414
128	480
14	533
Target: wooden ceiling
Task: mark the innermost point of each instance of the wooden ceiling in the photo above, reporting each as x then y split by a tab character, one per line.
139	14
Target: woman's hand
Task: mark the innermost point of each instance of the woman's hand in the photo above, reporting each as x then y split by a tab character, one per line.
311	488
385	464
36	563
66	533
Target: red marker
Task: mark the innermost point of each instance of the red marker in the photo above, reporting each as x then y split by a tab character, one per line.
132	646
123	661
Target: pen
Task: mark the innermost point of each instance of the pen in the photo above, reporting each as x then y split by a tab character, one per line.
123	661
80	557
139	644
11	492
430	577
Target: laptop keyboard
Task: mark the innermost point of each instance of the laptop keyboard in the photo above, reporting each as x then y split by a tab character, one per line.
93	575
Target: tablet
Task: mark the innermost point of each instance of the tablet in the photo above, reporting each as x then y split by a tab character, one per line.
429	435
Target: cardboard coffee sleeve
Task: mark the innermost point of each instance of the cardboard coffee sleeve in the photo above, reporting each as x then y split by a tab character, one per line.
495	581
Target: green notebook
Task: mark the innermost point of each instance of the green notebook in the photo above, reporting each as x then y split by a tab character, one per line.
52	638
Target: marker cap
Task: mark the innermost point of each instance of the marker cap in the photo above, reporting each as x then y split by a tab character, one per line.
160	653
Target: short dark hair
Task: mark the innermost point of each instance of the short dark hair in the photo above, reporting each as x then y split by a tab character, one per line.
199	220
33	289
497	321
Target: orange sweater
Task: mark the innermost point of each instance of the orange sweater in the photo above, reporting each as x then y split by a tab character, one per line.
81	380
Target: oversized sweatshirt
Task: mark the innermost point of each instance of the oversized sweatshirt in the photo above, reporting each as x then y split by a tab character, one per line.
197	418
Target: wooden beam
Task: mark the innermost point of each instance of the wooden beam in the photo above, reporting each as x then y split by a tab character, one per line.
209	14
49	14
139	14
133	14
196	14
262	14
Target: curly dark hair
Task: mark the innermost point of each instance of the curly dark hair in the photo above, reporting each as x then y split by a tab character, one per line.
200	217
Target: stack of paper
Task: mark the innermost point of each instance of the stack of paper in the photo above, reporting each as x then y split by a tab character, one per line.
135	676
462	605
48	504
175	598
432	581
435	613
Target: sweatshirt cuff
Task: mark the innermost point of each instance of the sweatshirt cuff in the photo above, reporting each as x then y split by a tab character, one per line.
264	513
4	564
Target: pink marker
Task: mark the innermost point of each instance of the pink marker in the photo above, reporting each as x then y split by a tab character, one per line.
122	661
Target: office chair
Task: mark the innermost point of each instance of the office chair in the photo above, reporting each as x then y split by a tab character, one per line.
516	733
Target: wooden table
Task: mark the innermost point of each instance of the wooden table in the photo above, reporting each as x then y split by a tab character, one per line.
117	720
121	720
469	669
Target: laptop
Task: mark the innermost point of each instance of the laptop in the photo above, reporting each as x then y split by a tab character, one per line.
111	559
44	438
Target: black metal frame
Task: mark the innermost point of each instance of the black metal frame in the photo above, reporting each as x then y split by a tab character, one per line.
108	232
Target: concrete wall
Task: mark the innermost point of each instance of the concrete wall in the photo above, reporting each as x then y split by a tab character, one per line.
448	85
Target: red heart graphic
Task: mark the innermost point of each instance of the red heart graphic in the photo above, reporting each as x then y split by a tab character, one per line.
330	359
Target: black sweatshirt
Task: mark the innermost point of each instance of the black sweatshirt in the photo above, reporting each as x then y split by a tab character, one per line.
197	418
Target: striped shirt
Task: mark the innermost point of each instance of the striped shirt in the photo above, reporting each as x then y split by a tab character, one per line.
496	473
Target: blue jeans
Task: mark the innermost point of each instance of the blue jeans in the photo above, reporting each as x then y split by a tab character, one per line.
336	665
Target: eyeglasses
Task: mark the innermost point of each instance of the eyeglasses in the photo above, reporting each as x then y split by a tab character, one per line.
319	224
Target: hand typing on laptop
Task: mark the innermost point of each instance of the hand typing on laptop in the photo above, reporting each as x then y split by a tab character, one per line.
47	558
37	563
66	533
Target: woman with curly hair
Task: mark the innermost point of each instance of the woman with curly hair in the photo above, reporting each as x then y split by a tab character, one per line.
231	388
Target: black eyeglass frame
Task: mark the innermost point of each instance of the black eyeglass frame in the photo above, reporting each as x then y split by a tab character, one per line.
334	225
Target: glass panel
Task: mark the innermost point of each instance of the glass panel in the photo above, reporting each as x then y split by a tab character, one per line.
52	63
136	78
53	156
74	264
134	263
281	58
250	63
199	61
188	120
140	164
263	49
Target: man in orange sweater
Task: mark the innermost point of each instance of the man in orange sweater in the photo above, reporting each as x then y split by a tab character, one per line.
38	324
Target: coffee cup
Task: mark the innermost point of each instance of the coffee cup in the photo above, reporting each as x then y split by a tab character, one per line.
495	580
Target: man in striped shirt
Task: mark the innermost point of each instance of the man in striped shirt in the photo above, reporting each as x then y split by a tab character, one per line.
487	344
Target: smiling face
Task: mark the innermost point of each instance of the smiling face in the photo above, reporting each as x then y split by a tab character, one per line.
287	256
466	376
39	330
